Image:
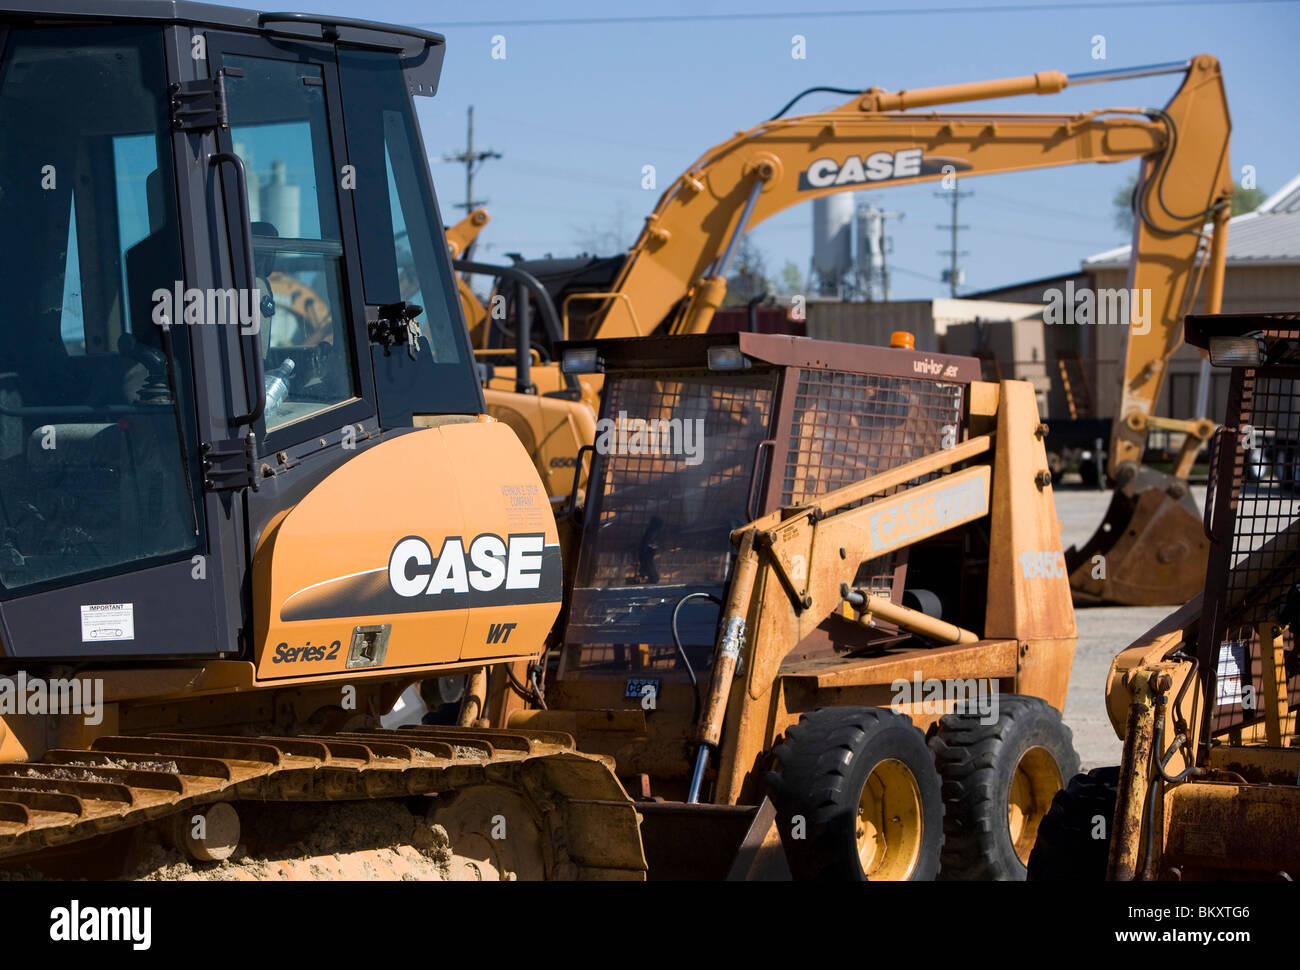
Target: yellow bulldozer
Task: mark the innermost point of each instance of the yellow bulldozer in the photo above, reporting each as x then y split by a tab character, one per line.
206	503
1205	702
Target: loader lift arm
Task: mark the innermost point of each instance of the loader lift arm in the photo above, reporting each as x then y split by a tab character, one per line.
792	550
796	566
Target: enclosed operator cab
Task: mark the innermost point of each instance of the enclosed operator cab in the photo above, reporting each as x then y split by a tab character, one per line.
239	413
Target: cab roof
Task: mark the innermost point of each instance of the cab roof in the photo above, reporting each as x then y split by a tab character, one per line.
422	51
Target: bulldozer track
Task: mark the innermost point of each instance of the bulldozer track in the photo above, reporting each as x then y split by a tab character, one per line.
125	781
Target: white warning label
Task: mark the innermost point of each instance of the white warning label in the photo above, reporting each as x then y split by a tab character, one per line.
107	621
1232	664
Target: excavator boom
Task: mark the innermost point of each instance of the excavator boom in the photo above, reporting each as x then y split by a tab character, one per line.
674	277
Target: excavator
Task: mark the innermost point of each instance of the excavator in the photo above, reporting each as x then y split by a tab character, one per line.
1148	549
230	542
1205	701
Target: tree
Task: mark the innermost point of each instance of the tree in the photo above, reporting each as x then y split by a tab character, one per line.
1247	200
748	277
791	279
1243	200
607	236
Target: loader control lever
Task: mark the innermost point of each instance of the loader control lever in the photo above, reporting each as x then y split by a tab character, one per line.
397	323
155	388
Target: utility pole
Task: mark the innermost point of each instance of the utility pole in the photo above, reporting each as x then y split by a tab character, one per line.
873	246
472	161
953	275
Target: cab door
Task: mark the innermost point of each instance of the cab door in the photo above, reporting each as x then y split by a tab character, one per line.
105	549
281	102
327	329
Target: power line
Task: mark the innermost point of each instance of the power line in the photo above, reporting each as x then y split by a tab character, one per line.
1082	5
529	168
472	161
911	272
585	135
953	274
1048	239
1032	206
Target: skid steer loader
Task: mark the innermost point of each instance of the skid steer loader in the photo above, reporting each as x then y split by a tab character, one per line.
796	562
215	519
1205	701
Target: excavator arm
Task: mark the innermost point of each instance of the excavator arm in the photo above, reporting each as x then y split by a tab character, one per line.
1179	191
460	238
676	270
1150	547
674	278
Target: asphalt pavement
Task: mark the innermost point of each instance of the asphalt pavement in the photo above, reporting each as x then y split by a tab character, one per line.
1103	632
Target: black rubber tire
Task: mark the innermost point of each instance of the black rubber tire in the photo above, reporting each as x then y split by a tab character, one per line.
822	766
977	763
1074	838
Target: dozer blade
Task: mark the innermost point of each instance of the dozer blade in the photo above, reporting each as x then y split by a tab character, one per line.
1150	549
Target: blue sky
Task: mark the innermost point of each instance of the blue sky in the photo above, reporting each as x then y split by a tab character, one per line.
577	110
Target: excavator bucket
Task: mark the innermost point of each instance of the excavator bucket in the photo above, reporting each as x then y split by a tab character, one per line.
737	843
1150	549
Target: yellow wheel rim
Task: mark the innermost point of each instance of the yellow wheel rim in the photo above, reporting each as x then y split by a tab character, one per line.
1034	784
889	822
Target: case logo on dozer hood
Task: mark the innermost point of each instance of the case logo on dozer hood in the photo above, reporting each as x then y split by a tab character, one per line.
876	167
488	571
515	562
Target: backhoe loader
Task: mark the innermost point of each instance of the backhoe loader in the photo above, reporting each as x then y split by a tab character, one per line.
231	540
1205	701
797	562
1149	549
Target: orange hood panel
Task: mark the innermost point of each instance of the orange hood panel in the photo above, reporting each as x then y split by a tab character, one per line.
444	535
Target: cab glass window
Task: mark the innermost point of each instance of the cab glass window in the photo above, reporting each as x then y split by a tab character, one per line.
97	458
280	128
403	246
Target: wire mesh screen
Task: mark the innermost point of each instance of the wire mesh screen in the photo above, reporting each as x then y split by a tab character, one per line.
847	427
1265	548
674	476
1260	482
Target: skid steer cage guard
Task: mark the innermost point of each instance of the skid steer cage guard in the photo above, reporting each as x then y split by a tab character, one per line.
796	420
672	479
1253	519
847	427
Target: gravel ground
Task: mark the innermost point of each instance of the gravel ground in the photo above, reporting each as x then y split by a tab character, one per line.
1103	632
